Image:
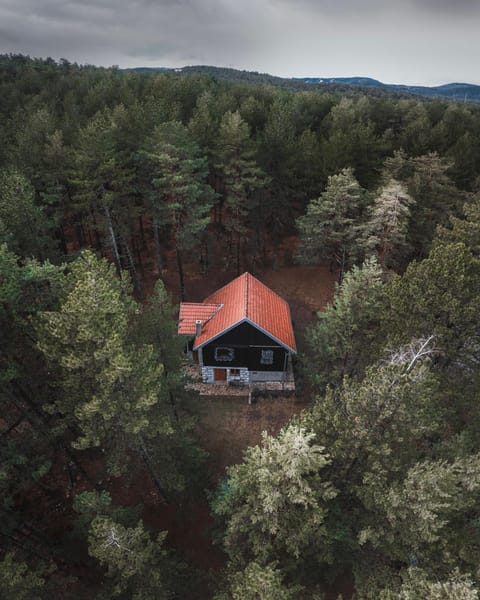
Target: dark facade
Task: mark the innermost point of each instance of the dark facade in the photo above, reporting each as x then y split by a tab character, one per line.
244	346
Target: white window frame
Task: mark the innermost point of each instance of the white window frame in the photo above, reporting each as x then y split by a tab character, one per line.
266	357
228	354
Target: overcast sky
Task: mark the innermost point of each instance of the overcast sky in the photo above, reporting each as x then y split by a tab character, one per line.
397	41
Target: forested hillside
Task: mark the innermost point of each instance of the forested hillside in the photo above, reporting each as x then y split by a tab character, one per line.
112	180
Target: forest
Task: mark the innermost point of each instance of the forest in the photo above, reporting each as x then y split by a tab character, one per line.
119	192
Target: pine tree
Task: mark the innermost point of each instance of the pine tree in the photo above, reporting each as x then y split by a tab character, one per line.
112	393
387	228
180	199
242	178
23	226
331	226
465	230
275	503
439	296
258	582
18	581
347	336
135	563
436	198
104	197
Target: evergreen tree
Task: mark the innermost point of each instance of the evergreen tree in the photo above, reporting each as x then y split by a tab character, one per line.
347	336
439	296
279	153
103	181
135	563
180	199
331	226
112	393
436	198
18	581
275	503
242	178
387	228
22	223
258	582
465	230
417	585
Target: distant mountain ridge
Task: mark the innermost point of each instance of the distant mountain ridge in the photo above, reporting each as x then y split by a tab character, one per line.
467	92
463	92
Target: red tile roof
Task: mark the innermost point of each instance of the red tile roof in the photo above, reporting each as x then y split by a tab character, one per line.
243	299
191	312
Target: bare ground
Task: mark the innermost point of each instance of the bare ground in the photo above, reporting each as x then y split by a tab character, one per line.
228	425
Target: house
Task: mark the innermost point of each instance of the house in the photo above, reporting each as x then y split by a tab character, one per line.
242	334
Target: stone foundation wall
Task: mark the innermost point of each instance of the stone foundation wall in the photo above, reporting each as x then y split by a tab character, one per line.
207	375
246	377
242	379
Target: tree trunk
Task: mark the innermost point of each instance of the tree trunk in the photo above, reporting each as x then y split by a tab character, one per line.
342	266
63	239
142	233
180	274
204	256
78	234
156	235
133	271
137	251
114	241
98	241
238	253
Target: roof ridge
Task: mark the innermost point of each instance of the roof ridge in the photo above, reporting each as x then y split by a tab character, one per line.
199	303
219	305
226	285
246	293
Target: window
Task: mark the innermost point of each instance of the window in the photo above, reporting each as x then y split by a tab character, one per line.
224	354
235	372
267	357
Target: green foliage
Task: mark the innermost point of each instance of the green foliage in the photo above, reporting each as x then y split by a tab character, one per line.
179	197
23	226
389	413
352	141
258	582
275	502
102	177
156	326
89	505
111	392
18	581
432	512
242	177
347	336
331	226
387	227
84	341
439	296
416	584
464	230
135	563
436	198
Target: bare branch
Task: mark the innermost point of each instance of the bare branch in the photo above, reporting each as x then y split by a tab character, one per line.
412	353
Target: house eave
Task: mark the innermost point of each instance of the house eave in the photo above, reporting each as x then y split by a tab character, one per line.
253	324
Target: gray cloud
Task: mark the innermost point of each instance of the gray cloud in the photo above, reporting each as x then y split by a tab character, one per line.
364	7
384	39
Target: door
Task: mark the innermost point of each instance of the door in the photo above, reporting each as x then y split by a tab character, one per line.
220	374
